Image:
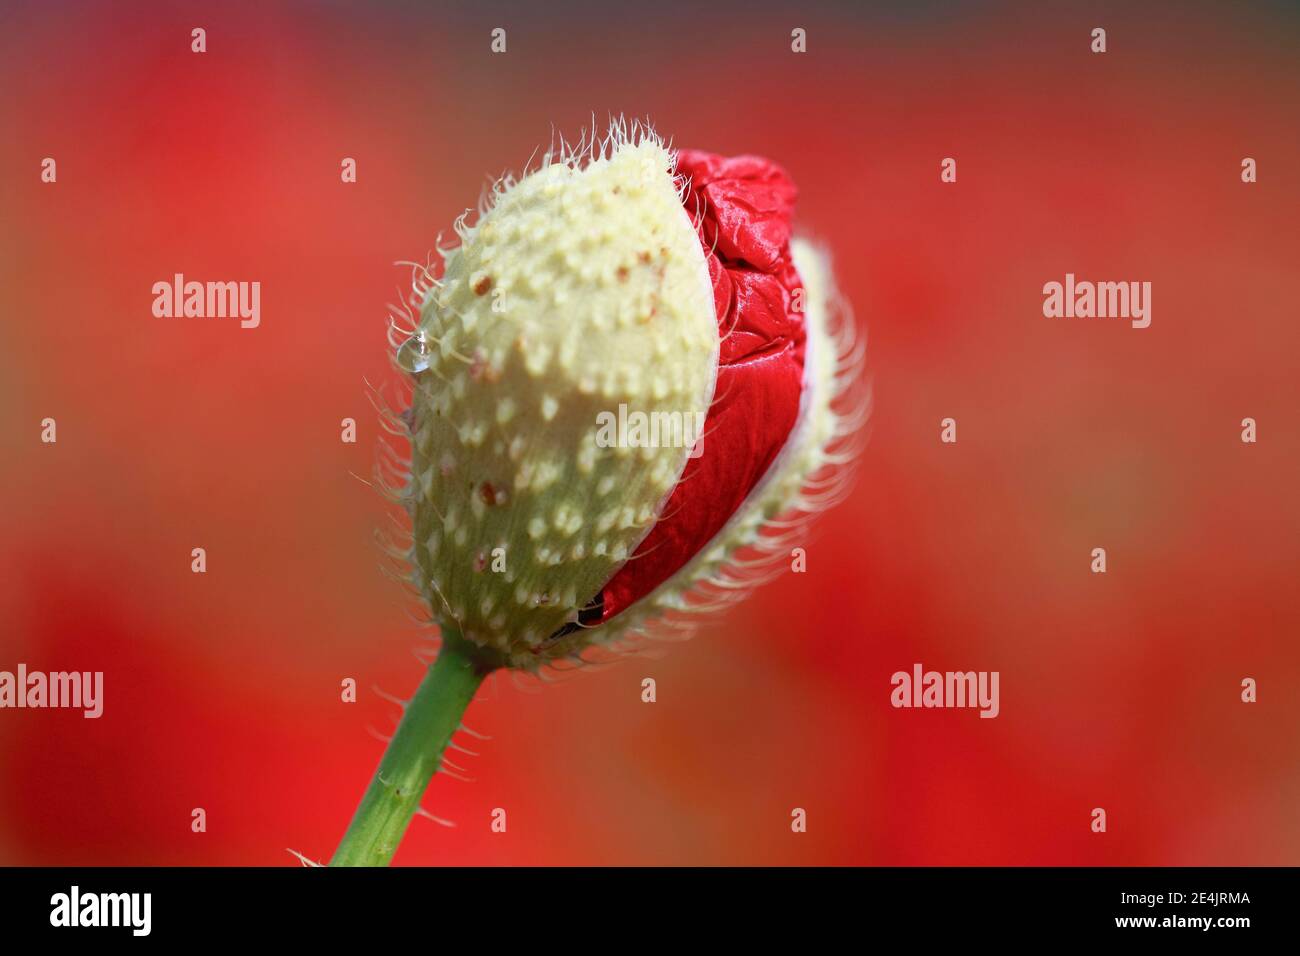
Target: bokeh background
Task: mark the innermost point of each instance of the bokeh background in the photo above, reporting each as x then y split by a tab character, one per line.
1119	691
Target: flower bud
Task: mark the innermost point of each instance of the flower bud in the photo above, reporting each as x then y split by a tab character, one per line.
623	283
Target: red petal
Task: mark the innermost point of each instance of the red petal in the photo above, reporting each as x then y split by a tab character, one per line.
746	205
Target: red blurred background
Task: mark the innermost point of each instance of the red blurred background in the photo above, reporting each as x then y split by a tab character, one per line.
1119	691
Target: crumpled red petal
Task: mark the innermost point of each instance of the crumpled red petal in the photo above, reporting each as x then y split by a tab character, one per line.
746	207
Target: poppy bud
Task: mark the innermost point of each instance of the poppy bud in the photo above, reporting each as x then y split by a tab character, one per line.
616	284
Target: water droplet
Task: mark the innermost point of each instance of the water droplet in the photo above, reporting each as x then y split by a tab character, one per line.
413	355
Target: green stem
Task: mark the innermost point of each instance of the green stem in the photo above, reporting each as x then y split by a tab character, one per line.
413	755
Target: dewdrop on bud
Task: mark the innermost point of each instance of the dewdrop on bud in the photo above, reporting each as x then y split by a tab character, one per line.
620	281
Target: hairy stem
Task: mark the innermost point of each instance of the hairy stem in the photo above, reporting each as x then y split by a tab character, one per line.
413	755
